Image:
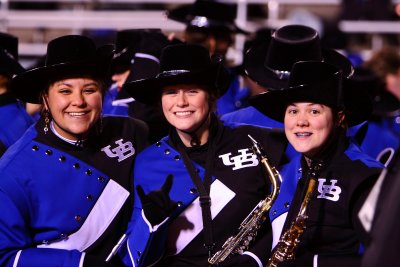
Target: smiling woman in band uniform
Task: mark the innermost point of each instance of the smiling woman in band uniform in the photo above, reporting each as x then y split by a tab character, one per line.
66	185
200	161
316	112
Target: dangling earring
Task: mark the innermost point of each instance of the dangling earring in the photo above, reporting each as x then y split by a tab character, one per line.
46	121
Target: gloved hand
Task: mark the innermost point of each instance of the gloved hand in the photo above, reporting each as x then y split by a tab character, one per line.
157	205
239	261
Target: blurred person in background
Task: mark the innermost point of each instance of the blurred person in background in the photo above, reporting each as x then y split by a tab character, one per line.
212	25
137	57
14	120
382	75
126	42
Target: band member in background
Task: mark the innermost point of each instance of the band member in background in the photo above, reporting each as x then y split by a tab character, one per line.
316	116
383	132
66	185
209	179
138	58
14	120
212	24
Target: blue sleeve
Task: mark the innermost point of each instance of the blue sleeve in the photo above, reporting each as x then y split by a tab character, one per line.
16	245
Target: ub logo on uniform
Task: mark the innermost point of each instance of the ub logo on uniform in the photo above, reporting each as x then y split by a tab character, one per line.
243	160
328	191
122	150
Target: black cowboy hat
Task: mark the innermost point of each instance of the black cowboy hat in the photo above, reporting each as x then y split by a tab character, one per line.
269	63
206	14
127	43
67	56
146	61
9	64
366	81
317	82
181	64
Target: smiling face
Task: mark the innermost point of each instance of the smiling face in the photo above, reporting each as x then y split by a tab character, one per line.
308	126
186	107
75	106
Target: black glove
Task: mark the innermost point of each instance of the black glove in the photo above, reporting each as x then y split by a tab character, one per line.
157	205
239	261
93	261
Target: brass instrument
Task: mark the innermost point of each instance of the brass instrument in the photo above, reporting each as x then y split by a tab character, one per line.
289	241
250	225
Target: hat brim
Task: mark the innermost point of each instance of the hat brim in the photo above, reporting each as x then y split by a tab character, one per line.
181	13
273	104
28	85
143	68
148	91
255	69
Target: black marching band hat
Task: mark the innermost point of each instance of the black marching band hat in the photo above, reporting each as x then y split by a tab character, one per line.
366	81
181	64
126	46
315	82
67	56
269	64
207	14
146	61
9	64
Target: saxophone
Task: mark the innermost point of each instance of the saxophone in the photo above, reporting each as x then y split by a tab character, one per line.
248	228
289	241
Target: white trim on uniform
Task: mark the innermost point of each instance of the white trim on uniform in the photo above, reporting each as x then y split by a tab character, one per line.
179	235
277	226
103	213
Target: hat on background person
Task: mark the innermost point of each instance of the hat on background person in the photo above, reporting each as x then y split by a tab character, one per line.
261	37
315	82
269	64
180	64
206	14
126	45
9	64
146	61
366	81
67	56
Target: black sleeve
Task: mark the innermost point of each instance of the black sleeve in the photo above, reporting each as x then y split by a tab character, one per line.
3	148
383	250
307	260
263	243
